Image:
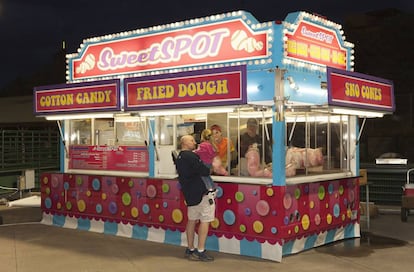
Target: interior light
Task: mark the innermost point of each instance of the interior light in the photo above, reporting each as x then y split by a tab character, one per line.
199	117
251	114
126	119
318	118
79	116
361	113
186	111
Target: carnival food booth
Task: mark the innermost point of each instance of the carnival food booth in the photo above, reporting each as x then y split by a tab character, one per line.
130	96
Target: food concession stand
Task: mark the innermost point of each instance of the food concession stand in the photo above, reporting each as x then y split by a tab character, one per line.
130	96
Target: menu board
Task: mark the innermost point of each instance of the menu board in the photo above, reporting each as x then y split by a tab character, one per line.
111	157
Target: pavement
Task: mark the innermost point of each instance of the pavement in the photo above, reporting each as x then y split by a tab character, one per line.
27	245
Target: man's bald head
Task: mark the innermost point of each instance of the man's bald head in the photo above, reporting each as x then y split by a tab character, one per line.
187	142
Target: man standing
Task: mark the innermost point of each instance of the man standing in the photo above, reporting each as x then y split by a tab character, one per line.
251	137
200	204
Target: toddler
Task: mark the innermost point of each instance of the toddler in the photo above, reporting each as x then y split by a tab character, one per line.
207	151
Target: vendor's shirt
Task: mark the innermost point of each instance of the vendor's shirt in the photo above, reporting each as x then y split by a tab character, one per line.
222	150
246	141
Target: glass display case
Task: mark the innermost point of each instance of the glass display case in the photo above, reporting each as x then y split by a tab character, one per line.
80	132
316	142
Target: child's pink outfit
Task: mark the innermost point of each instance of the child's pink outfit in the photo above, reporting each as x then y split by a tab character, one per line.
206	152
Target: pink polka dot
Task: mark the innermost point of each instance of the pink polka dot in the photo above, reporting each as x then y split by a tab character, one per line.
114	188
287	201
151	191
262	207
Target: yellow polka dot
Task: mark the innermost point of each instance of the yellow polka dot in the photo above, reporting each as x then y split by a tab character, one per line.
258	226
103	196
329	218
177	216
81	205
305	222
270	192
215	223
134	212
311	204
348	213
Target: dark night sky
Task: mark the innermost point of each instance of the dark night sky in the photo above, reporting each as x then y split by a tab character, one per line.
33	31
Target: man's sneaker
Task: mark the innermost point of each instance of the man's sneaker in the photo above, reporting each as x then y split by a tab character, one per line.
201	256
188	252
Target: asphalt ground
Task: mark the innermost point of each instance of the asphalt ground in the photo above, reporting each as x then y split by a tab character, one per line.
27	245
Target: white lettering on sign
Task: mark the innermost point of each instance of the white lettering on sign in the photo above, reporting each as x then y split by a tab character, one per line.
201	45
319	35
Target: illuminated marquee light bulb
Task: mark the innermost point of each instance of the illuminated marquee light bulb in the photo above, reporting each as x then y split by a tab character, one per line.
302	15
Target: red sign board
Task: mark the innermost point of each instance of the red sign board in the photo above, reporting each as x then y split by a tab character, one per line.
221	86
315	44
216	42
356	90
78	97
102	157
